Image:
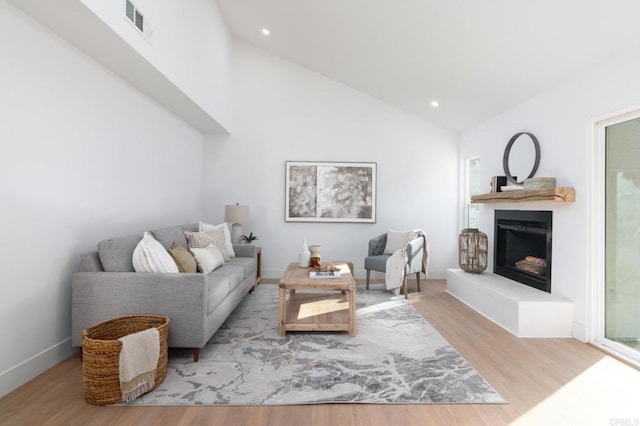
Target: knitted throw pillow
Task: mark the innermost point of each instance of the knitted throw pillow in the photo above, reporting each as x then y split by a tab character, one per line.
206	238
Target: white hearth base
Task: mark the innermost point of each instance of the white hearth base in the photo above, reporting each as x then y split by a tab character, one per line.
520	309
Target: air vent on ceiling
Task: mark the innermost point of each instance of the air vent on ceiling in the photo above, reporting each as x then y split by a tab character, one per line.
136	17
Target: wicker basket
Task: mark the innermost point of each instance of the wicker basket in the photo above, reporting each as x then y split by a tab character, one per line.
101	355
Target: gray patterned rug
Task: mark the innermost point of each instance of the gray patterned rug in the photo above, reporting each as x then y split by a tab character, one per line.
396	357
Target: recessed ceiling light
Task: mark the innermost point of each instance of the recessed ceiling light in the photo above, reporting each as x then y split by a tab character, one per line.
435	104
266	31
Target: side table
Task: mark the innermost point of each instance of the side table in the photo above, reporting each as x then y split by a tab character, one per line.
258	268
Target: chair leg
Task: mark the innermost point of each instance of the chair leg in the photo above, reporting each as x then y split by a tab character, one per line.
404	285
368	275
418	280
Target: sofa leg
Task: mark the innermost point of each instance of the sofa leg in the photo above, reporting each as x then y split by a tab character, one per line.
196	354
368	275
418	280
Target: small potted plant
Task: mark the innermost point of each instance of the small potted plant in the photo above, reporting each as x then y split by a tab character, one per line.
248	238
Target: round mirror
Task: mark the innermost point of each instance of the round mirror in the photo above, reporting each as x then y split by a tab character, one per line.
521	157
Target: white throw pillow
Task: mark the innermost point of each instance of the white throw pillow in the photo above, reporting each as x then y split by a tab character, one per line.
208	258
397	240
150	256
227	236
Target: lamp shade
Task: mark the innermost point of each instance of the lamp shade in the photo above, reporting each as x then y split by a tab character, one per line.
236	214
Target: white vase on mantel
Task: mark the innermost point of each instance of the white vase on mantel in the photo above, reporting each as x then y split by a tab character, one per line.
304	255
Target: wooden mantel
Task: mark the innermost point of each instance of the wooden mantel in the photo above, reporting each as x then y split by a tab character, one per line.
553	194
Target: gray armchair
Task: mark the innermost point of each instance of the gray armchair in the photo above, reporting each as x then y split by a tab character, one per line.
377	260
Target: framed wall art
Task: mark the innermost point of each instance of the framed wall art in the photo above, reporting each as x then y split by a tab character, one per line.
330	192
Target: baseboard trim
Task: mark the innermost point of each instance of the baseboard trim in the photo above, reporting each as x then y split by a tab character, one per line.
580	332
20	374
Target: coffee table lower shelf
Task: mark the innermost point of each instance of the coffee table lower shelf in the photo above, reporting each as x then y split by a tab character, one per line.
317	312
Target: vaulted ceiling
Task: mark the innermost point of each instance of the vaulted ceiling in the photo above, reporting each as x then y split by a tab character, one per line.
475	58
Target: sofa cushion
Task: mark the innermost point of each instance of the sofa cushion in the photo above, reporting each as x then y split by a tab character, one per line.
205	238
227	236
233	273
246	263
208	258
217	290
150	256
116	253
90	262
168	236
183	258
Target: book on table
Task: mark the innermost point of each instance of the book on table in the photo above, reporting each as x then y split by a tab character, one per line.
324	274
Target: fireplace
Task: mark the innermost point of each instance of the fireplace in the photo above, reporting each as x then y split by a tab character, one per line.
522	247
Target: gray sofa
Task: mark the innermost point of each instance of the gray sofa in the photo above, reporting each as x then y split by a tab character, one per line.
197	304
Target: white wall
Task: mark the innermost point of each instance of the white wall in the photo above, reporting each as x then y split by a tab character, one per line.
562	119
84	157
285	112
190	45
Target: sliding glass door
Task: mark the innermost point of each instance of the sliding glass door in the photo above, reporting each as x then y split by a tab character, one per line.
622	237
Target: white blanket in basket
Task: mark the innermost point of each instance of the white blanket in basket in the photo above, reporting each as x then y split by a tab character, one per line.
138	362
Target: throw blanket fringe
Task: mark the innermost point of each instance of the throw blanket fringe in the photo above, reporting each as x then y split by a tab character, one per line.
138	386
138	362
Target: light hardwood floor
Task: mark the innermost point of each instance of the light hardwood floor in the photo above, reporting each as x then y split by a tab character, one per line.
545	381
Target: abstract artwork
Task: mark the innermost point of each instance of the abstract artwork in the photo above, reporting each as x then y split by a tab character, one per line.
330	192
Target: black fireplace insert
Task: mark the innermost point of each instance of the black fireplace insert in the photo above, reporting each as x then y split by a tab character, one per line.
522	247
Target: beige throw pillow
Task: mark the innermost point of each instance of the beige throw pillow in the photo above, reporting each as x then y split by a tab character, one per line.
397	240
207	258
205	238
183	258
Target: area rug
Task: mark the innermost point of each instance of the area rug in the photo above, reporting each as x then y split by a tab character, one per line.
396	357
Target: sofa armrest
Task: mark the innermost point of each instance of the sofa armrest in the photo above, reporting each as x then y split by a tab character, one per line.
377	245
245	250
415	253
99	296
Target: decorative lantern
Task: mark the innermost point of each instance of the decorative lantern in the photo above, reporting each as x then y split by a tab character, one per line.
472	250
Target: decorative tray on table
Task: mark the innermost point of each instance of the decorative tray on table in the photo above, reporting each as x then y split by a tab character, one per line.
327	271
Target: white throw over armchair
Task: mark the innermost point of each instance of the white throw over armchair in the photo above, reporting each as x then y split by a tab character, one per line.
383	246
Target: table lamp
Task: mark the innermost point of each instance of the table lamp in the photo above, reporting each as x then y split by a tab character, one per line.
236	215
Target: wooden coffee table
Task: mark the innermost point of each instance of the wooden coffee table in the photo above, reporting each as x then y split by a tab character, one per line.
333	309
